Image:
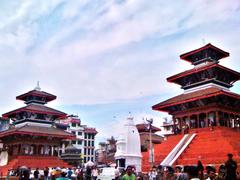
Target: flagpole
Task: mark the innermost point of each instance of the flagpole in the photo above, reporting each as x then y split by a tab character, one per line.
151	154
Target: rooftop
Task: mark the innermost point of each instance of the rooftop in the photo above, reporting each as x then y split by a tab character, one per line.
202	68
35	109
145	128
48	96
188	97
221	54
37	131
90	130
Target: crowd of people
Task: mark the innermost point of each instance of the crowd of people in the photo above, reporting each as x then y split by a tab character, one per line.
227	171
56	173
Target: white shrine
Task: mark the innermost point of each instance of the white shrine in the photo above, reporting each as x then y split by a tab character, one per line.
129	147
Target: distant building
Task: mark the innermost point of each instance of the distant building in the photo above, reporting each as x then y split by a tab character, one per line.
84	142
106	151
167	128
143	130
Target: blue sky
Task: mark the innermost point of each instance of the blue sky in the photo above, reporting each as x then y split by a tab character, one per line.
104	59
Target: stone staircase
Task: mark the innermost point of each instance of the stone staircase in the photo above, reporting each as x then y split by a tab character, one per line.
211	147
160	151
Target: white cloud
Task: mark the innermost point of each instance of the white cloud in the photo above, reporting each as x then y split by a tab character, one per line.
108	51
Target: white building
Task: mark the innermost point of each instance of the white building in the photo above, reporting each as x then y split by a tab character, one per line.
129	147
167	129
85	137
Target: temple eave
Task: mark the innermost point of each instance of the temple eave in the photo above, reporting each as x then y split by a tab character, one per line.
37	134
48	96
176	100
220	51
173	78
205	109
24	109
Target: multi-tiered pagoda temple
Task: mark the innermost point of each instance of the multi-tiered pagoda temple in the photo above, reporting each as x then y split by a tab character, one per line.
206	94
33	140
206	101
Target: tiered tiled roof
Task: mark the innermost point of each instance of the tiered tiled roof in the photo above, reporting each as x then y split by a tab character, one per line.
38	131
221	53
49	97
35	109
188	97
145	128
202	68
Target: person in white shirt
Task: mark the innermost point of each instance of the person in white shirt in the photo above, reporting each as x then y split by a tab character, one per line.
152	174
116	173
94	173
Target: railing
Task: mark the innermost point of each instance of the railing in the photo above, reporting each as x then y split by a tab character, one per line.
178	150
171	155
182	149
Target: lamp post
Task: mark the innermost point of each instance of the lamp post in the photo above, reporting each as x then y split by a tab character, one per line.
151	153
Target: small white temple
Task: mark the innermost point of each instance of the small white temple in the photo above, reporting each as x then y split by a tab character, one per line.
129	147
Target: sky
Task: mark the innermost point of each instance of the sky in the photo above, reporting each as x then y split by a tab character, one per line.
104	59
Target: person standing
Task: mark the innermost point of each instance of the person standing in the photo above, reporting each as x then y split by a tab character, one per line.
69	173
94	173
193	173
80	174
53	173
46	173
88	173
211	124
200	169
129	174
152	174
116	173
231	168
211	173
36	174
221	173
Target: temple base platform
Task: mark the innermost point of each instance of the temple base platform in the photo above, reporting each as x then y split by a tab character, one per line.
33	162
208	146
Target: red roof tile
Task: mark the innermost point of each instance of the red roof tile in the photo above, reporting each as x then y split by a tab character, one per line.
36	109
38	131
75	120
69	120
202	68
186	56
187	97
144	128
90	130
48	96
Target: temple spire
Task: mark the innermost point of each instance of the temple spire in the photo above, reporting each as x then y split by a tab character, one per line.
37	88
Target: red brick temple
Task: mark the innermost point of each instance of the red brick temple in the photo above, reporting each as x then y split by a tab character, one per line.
206	101
32	140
